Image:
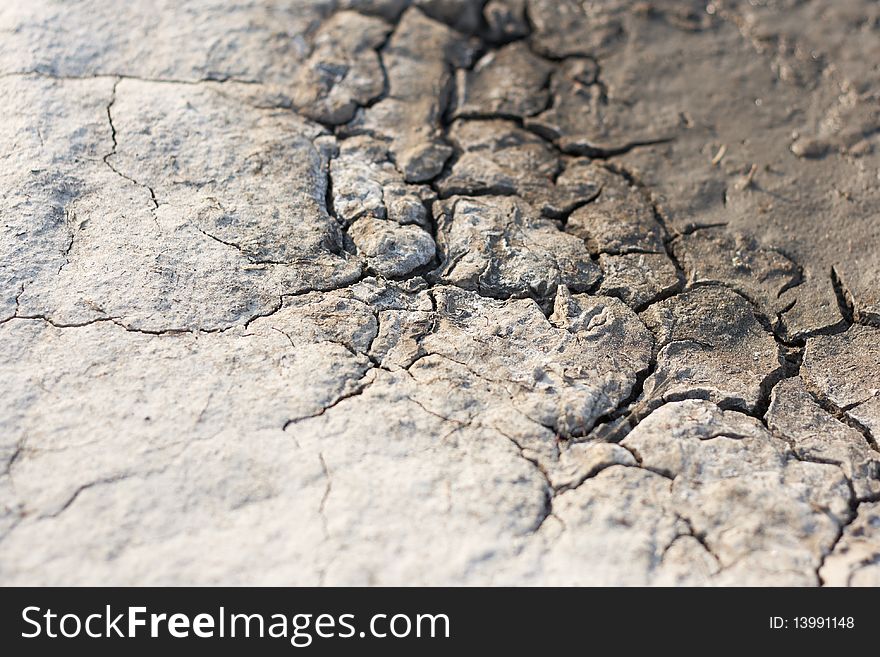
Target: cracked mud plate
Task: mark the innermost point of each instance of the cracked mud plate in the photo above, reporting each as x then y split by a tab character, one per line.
440	292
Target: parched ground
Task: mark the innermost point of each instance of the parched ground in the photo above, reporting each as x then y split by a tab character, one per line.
440	292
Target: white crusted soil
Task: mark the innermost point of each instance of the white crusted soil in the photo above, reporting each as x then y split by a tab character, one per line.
439	292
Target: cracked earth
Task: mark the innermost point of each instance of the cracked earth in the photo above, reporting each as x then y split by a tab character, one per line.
440	292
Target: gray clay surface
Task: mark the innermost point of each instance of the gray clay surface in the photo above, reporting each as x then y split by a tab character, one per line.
440	292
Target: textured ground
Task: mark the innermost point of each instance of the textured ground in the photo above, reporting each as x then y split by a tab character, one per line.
440	292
